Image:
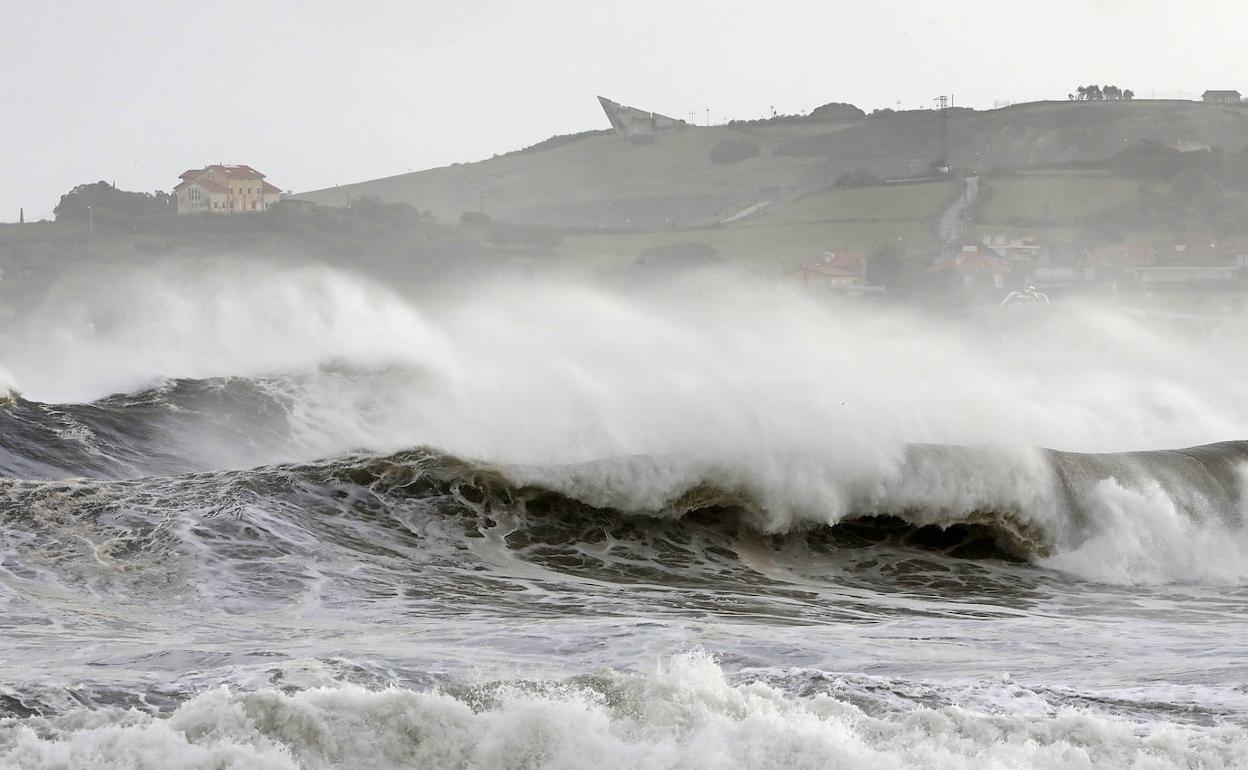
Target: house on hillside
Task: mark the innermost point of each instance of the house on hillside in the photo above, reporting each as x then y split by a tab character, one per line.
833	270
977	265
1015	248
221	189
1221	97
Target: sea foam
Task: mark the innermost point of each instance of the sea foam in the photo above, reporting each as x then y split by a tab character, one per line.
685	715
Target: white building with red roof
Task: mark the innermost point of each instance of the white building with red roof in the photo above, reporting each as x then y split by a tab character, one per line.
221	189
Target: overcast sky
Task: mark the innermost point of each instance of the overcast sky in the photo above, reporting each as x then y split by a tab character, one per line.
325	92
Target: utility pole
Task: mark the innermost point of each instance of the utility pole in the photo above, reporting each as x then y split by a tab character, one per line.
942	162
708	116
90	222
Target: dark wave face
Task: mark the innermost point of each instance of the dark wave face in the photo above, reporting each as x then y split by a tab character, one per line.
1000	506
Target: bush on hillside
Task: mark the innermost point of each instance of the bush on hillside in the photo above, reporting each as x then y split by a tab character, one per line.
1147	160
857	178
733	151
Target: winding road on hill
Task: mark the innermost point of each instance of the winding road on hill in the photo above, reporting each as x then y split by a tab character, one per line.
953	222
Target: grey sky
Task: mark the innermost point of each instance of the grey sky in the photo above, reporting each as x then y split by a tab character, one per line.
327	92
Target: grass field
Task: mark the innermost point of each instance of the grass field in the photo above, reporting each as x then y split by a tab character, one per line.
893	203
595	168
863	219
1053	201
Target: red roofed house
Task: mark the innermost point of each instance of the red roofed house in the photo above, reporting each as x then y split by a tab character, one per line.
840	270
978	265
223	189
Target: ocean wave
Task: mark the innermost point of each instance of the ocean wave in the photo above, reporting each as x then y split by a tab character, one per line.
687	714
1139	517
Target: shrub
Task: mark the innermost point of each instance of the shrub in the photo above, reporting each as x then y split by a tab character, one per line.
733	151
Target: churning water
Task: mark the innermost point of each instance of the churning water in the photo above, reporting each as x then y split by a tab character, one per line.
262	517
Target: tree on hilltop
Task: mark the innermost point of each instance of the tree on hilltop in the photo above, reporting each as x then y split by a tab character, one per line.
103	202
1095	93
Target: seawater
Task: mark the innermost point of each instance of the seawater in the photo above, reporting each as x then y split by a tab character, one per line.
286	517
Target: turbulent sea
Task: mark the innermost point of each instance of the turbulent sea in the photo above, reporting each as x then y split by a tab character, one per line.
289	518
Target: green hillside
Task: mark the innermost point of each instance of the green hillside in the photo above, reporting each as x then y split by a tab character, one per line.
1053	199
601	181
782	237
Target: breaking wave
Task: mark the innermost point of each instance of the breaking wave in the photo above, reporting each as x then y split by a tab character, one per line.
1134	517
688	714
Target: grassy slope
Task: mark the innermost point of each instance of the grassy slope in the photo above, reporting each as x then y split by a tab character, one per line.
1025	199
798	156
603	171
862	218
594	168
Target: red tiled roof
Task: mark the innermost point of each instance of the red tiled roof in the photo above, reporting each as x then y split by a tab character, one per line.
270	188
832	271
238	172
207	184
975	262
230	172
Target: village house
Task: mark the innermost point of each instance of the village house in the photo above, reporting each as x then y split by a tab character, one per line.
1014	248
833	270
1221	97
978	266
221	189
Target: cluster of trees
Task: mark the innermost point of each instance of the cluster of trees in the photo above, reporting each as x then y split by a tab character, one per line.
832	112
105	204
1095	93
